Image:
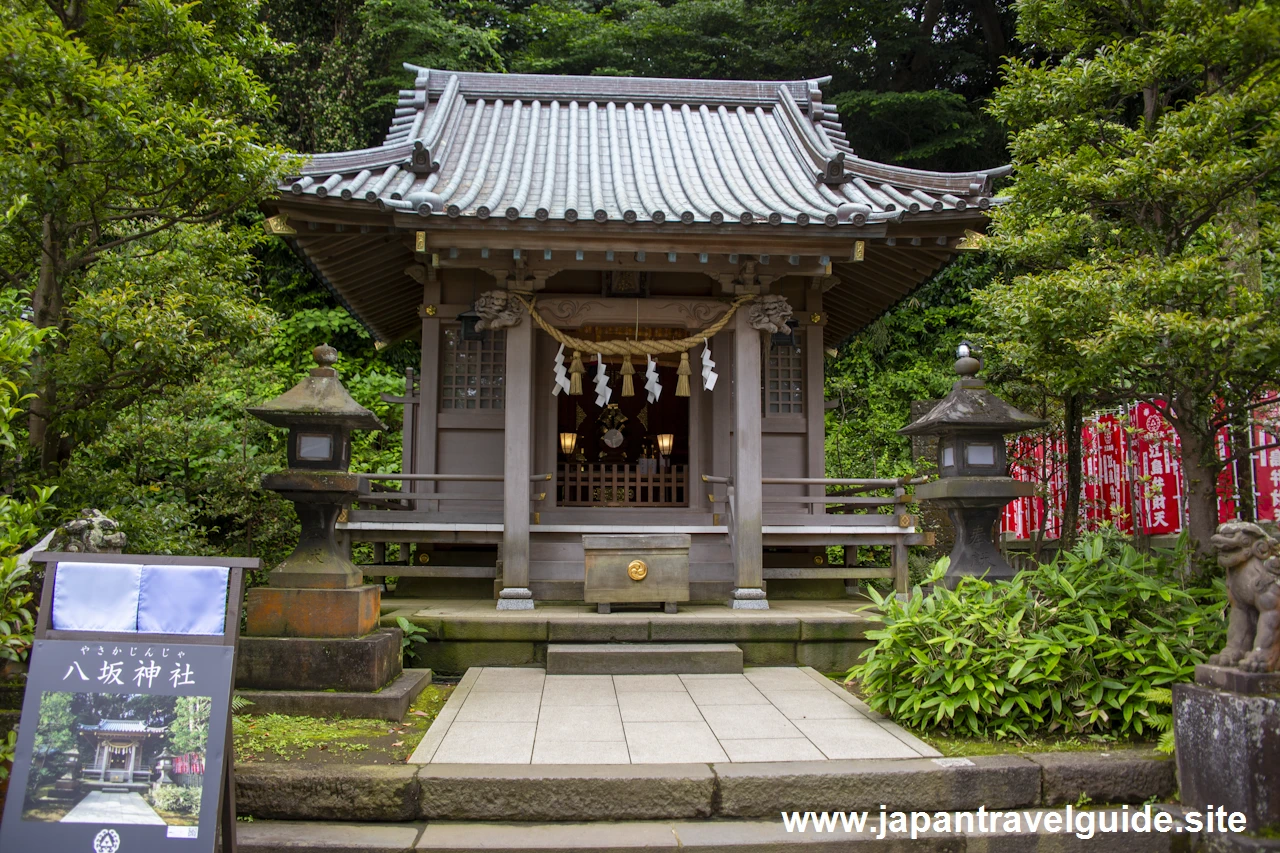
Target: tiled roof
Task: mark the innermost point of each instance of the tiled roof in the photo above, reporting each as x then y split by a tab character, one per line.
609	149
123	727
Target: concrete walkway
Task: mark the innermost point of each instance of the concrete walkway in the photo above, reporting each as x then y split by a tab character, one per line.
112	808
500	715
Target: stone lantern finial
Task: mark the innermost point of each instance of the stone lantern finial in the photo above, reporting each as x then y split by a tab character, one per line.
325	356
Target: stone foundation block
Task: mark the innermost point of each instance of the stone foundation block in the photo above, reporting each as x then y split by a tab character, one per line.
618	628
1121	776
363	664
830	657
844	630
299	791
506	630
457	657
725	630
1229	752
643	658
390	703
768	654
290	612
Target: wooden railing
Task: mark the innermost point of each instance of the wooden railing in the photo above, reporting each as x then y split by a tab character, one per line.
848	497
124	777
369	496
621	485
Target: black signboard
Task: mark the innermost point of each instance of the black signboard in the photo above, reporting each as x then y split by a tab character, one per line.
125	739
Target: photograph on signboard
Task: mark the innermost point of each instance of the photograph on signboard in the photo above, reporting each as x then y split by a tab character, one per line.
118	758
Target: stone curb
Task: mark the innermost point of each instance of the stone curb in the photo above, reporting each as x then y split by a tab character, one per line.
306	837
1120	776
679	791
327	792
703	836
566	792
762	790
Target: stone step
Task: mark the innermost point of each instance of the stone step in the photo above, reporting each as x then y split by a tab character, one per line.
642	658
484	793
706	836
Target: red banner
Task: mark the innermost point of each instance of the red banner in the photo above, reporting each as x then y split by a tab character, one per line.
1131	471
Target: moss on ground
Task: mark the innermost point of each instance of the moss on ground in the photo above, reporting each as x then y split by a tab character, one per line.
278	737
967	747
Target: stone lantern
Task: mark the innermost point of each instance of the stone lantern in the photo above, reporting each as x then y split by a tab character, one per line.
311	643
317	587
973	486
164	763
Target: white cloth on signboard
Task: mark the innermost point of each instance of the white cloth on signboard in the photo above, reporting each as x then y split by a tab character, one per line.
96	597
183	600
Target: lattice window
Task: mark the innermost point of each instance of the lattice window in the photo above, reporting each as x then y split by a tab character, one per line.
784	381
473	373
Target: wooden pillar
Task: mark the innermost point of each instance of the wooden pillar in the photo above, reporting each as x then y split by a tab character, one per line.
814	393
516	468
427	412
748	534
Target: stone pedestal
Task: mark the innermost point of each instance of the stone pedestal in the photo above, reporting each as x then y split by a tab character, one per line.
318	497
291	612
974	504
284	663
1228	744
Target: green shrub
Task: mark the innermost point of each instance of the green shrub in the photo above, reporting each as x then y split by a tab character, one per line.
177	799
1075	647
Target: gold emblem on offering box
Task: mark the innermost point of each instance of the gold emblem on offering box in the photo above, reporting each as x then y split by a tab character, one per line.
636	570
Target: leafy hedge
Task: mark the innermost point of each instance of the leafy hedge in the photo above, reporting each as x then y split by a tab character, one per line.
1076	647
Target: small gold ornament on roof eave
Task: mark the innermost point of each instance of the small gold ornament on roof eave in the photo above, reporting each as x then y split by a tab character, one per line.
278	226
973	241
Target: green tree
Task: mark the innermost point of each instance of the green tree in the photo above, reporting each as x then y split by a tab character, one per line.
120	123
55	734
189	731
907	75
1141	220
338	83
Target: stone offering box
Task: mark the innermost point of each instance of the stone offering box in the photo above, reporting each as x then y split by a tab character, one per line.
636	569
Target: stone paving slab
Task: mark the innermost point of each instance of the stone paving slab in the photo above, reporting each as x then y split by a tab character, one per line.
113	808
516	715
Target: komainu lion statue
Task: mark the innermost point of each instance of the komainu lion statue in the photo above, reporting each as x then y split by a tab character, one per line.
770	313
497	309
1251	559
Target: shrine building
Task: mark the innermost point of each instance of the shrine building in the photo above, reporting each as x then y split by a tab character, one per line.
624	290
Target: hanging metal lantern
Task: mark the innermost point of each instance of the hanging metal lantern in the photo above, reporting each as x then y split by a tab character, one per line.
787	338
468	319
